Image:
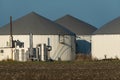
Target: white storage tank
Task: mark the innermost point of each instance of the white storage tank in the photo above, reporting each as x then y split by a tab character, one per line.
106	41
41	29
43	52
16	54
82	30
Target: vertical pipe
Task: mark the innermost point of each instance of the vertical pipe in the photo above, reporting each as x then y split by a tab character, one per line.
45	53
31	45
48	41
48	52
40	51
11	38
11	26
37	52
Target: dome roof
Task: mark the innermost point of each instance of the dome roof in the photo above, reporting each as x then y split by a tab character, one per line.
112	27
35	24
75	25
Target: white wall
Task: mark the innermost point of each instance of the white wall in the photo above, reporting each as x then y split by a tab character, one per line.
64	51
7	54
5	38
108	45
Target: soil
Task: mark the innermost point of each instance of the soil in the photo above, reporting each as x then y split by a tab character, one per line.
77	70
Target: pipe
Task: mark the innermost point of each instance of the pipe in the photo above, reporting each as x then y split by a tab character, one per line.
11	36
31	45
11	26
38	51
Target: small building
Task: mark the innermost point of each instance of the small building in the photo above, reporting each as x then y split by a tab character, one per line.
36	37
106	41
82	30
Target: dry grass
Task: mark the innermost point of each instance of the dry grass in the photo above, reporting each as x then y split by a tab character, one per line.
89	70
83	57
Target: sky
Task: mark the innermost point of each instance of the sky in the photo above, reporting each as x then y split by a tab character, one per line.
94	12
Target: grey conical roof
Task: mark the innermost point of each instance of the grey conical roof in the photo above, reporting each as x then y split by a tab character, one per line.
75	25
112	27
35	24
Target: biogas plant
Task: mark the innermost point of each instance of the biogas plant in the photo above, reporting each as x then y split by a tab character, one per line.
34	37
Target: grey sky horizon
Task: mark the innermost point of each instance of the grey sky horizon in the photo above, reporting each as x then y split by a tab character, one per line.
94	12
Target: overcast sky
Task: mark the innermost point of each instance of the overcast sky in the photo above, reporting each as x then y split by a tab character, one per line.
94	12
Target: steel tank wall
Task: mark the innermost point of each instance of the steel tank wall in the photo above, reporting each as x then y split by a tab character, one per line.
6	54
4	39
108	45
9	52
65	51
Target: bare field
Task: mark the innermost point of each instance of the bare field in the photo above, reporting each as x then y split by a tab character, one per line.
88	70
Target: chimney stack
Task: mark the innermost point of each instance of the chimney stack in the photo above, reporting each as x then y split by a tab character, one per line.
11	37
